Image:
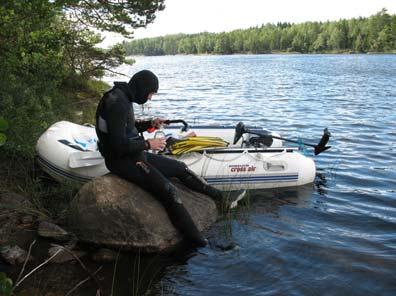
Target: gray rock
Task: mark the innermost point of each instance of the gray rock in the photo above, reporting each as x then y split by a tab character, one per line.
104	255
14	255
64	254
53	231
115	213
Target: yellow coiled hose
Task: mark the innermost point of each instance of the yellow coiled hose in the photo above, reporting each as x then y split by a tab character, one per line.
196	144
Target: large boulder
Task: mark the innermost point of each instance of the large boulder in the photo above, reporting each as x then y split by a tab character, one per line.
115	213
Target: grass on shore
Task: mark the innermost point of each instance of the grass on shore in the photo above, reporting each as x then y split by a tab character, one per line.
20	174
48	199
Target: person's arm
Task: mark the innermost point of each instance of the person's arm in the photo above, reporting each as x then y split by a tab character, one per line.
116	121
158	122
143	125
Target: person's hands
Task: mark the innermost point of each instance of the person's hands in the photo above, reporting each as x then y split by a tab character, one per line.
157	144
157	122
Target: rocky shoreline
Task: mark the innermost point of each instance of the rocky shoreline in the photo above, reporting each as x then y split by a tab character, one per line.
107	217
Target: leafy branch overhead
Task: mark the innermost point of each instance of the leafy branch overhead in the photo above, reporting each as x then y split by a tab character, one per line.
90	61
118	16
50	61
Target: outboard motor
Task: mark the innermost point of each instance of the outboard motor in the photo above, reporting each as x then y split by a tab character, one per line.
257	138
252	140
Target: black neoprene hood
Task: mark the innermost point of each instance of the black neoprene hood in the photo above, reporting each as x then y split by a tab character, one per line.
142	84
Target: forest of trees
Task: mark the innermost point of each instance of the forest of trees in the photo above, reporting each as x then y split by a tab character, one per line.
359	35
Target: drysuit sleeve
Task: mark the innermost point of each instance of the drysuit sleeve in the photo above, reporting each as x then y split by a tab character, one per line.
117	116
143	125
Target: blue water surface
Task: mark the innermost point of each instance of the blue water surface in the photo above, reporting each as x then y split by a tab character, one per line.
334	237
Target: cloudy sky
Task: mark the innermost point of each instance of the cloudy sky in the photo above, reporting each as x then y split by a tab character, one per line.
193	16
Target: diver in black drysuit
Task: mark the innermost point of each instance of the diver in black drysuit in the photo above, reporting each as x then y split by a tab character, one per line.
126	155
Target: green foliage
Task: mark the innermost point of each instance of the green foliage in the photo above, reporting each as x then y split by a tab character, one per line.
109	15
48	56
376	33
32	70
3	128
83	57
48	199
5	285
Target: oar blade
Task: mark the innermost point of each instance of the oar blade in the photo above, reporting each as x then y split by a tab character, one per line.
319	150
323	141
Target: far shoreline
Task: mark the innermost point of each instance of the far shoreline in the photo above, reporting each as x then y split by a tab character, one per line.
272	53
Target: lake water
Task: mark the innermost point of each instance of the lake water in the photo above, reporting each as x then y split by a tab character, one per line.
334	237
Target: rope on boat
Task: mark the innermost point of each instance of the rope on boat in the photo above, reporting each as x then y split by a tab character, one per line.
260	158
198	156
239	155
212	157
186	148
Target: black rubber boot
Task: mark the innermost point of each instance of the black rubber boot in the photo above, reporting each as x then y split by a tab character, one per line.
196	183
185	224
181	218
167	194
225	201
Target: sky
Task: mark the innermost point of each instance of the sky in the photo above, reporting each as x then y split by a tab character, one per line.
195	16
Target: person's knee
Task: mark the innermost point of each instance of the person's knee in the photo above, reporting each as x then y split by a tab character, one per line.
191	175
181	168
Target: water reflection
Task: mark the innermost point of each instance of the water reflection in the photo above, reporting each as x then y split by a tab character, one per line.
321	183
